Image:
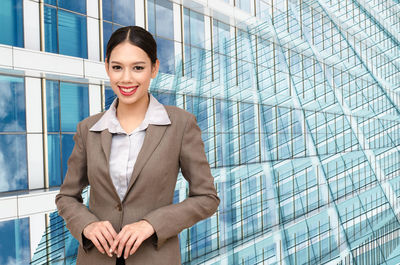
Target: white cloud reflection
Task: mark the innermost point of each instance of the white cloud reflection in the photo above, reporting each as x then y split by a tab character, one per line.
5	98
13	164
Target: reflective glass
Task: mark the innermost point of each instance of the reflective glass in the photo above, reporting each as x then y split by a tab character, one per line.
244	5
107	31
221	37
124	12
151	17
164	19
197	29
67	146
54	161
12	32
51	2
73	5
12	104
72	34
166	55
107	10
166	98
13	163
50	29
53	105
15	243
186	25
194	28
74	105
110	95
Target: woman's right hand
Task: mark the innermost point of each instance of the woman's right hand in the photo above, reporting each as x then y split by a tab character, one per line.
102	234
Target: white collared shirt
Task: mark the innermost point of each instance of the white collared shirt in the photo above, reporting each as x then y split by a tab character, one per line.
125	147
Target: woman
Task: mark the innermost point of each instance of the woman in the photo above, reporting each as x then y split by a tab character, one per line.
130	156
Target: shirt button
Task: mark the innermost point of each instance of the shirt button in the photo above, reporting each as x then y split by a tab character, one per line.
119	207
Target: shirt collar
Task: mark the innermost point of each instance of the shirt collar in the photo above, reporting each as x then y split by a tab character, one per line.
156	114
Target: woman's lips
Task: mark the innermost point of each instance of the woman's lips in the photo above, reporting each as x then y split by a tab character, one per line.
127	91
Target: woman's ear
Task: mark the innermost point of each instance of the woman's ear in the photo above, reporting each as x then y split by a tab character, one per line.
154	68
106	65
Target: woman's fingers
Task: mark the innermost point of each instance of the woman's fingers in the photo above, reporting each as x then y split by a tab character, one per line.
101	234
122	242
98	245
136	245
111	230
131	237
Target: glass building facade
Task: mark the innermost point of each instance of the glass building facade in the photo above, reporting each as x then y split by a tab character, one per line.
298	103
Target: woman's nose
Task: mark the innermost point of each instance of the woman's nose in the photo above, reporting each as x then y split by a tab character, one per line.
126	76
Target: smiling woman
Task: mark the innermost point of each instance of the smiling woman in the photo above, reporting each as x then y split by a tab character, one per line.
131	155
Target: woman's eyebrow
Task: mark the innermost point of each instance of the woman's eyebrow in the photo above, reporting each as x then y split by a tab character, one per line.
139	62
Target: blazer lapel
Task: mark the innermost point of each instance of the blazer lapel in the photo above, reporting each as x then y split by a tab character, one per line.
106	138
154	133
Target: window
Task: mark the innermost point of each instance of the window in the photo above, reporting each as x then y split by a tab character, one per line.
65	31
13	158
67	104
194	44
12	24
15	248
160	18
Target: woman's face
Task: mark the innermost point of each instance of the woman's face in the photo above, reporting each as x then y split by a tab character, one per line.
130	71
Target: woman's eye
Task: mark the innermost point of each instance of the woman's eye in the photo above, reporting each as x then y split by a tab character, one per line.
138	67
116	67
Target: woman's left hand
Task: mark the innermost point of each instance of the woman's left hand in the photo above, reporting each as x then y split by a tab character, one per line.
131	237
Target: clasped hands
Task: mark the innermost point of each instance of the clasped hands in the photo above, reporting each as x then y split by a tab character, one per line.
106	240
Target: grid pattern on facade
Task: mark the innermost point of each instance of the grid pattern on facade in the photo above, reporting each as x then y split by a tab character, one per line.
299	113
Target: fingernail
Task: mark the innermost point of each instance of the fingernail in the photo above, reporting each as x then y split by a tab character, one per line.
119	256
110	250
125	257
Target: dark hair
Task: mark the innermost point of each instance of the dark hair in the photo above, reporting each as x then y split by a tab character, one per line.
137	36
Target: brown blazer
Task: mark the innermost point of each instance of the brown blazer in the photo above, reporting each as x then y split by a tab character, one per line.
166	148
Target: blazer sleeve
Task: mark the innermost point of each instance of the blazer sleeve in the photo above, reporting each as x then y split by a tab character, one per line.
69	200
202	201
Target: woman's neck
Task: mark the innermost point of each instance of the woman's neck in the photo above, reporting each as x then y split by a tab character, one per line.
135	111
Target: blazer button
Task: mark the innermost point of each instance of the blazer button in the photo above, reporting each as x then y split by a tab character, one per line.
119	207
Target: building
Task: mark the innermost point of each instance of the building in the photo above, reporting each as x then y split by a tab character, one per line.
298	102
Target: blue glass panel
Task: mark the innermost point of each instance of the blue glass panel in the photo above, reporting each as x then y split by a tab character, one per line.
74	105
50	29
67	146
12	104
197	29
221	36
72	34
56	233
53	144
124	12
166	98
164	19
166	55
15	243
13	164
12	24
110	96
244	5
151	17
107	10
107	31
73	5
51	2
53	105
186	25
